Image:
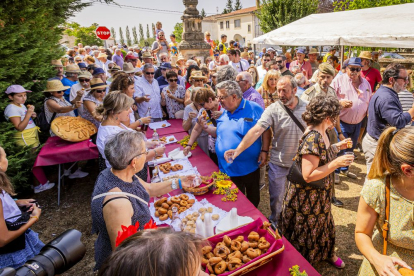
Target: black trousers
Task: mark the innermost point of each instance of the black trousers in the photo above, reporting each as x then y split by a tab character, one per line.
213	156
249	186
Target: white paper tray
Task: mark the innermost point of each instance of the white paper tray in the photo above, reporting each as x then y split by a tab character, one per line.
157	125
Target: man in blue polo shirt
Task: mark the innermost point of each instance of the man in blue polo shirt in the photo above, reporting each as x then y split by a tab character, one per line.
385	109
238	118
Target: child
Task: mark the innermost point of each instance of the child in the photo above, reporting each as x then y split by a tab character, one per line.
158	29
21	117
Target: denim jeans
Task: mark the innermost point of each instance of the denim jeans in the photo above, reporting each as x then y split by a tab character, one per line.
277	187
349	131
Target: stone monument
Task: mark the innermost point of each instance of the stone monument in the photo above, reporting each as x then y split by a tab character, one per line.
193	43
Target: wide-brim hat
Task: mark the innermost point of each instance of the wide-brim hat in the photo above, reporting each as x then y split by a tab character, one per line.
102	55
365	55
313	51
85	74
73	68
147	54
54	86
115	68
57	63
197	75
97	83
129	68
180	58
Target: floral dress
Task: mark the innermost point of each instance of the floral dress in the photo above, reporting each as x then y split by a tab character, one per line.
306	221
172	105
269	98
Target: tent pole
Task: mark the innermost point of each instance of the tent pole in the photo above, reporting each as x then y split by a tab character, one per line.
254	55
342	55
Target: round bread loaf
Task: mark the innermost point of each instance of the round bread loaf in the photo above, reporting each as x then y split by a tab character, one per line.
73	129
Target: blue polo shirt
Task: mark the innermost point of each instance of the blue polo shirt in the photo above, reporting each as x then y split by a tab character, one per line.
385	110
162	82
231	129
68	82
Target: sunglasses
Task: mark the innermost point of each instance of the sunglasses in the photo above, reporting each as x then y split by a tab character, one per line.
197	80
173	80
60	92
353	69
406	79
149	73
216	55
84	80
99	91
279	61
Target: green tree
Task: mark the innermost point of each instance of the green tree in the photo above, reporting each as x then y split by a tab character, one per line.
113	33
153	30
229	6
178	31
135	35
84	35
238	5
277	13
148	32
30	32
141	35
128	36
121	36
203	13
341	5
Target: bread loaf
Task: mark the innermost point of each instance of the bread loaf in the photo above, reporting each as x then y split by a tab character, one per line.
406	272
73	129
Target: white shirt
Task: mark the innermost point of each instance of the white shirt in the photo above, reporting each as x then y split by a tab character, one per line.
212	65
104	134
240	66
73	93
153	90
10	208
13	110
262	72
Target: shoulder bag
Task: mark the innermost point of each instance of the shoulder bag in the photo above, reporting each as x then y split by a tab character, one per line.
386	226
20	242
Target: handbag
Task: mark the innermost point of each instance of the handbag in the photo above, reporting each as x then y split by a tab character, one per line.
20	242
385	226
41	120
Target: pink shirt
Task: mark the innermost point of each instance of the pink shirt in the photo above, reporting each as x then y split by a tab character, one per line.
306	66
346	91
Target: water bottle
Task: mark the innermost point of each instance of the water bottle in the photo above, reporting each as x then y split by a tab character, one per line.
147	114
155	136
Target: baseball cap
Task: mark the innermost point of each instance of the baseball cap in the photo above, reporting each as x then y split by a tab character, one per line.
82	65
223	35
15	88
98	70
356	61
270	50
165	65
300	51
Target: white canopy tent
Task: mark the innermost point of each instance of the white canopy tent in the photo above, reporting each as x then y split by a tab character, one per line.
390	26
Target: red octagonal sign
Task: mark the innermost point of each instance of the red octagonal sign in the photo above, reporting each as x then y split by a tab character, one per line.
103	32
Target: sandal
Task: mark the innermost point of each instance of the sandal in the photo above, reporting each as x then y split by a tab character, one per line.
338	263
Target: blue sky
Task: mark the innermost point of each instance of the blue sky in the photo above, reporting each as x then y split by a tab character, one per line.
113	16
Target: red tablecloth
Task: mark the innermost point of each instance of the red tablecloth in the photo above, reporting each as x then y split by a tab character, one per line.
176	126
58	151
281	263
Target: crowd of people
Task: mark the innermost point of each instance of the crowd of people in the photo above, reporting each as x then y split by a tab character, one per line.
251	117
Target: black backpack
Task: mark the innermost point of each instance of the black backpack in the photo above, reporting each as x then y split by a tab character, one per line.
41	121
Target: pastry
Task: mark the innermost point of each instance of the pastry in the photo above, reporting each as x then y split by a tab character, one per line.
73	129
171	139
206	249
215	217
163	125
220	267
253	236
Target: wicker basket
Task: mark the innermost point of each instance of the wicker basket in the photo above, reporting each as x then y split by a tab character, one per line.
261	261
199	190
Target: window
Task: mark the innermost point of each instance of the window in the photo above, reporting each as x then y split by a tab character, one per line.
237	23
249	28
221	25
227	24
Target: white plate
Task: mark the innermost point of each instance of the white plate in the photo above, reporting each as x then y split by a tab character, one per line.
157	125
187	169
168	139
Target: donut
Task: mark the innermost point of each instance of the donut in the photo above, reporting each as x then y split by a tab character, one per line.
175	205
246	259
189	206
209	255
210	210
221	251
259	252
220	267
191	201
181	209
251	253
215	217
169	202
221	244
227	240
253	236
165	206
235	245
169	214
264	245
234	263
175	199
244	246
236	254
262	239
162	211
252	244
240	239
183	203
174	169
184	197
204	261
157	214
206	249
210	268
163	217
215	260
158	203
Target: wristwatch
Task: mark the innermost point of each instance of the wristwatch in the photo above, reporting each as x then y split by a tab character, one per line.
174	185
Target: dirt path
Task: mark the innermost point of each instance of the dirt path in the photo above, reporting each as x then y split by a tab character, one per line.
74	213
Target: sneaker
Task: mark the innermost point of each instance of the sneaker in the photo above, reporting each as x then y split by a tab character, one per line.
338	264
337	179
78	174
349	174
262	185
336	202
43	187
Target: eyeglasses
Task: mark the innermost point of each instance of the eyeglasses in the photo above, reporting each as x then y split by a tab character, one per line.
149	73
266	60
353	69
145	152
99	91
84	80
220	98
173	80
78	60
406	79
279	61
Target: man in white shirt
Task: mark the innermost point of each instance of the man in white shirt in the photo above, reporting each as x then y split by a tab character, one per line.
104	63
84	79
213	65
224	60
236	61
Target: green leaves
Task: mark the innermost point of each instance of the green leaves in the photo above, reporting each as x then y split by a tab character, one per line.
84	35
341	5
178	31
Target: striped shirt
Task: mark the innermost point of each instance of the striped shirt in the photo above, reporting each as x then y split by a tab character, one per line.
406	99
286	134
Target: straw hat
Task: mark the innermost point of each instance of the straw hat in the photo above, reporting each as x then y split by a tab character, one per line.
197	75
147	55
313	51
102	55
85	74
129	68
366	55
54	86
180	58
73	68
57	63
115	68
97	83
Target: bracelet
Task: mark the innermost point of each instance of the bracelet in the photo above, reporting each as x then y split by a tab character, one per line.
265	151
339	133
179	183
36	217
140	122
155	152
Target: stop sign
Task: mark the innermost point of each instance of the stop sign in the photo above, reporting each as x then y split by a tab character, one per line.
103	32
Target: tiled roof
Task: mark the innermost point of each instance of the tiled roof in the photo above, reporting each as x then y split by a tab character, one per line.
242	11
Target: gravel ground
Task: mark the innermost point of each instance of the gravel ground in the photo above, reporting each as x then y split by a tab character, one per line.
74	213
